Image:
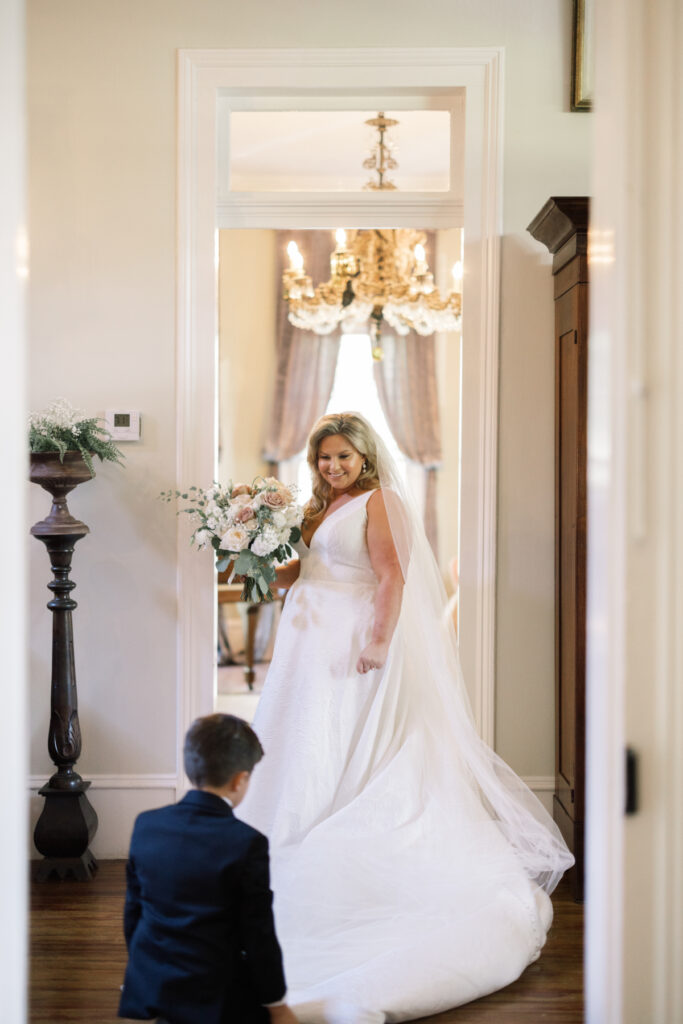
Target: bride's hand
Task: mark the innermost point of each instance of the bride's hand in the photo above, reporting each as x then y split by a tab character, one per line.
373	656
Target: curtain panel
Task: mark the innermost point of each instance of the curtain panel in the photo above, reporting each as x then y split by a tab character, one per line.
305	361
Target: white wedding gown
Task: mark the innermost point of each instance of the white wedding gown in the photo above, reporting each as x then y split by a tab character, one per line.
395	888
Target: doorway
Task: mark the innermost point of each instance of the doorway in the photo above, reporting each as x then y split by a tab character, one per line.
254	331
212	86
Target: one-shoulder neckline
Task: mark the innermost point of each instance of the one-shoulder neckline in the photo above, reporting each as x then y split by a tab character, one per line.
332	514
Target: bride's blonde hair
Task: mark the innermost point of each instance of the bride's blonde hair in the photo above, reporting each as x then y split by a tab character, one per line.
359	434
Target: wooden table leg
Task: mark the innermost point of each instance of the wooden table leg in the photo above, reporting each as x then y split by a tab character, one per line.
252	619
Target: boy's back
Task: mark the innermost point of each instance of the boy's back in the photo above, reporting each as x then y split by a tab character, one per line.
198	917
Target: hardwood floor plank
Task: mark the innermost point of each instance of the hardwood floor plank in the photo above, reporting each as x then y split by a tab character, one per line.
78	957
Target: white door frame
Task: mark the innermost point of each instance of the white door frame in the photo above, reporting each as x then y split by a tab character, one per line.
207	79
634	670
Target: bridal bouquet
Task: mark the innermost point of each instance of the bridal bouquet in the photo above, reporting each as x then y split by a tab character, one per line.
252	527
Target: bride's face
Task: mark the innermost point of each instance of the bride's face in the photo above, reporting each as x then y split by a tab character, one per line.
339	463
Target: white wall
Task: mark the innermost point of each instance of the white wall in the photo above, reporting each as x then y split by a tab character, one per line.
102	90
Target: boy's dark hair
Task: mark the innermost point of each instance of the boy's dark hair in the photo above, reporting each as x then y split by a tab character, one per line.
218	747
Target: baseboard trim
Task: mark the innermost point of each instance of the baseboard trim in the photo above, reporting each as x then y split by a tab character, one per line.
536	783
540	783
117	781
118	799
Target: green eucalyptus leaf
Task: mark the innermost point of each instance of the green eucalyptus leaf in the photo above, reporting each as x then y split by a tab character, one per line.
263	584
246	562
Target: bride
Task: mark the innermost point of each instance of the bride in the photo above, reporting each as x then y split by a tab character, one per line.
411	867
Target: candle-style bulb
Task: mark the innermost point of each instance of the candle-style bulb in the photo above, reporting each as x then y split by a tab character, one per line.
340	236
296	260
457	275
420	259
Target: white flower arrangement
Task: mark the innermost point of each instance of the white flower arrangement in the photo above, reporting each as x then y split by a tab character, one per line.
251	526
62	428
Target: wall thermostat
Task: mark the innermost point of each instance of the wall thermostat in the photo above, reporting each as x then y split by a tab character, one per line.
123	425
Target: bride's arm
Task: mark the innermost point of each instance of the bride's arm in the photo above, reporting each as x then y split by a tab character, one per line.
287	573
387	569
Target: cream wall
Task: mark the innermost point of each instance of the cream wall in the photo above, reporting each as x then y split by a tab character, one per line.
102	152
247	359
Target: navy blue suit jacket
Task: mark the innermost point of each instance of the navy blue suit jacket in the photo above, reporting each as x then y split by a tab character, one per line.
198	917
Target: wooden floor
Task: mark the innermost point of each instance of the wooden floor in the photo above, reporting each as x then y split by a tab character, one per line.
78	958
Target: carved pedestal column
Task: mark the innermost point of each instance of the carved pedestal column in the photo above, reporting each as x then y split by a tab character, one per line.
68	821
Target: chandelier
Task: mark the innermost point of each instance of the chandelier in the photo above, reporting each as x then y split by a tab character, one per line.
377	276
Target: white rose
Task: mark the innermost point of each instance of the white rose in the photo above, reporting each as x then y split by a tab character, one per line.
235	539
294	515
279	519
261	547
266	543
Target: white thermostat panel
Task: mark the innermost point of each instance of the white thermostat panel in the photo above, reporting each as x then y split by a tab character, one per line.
123	425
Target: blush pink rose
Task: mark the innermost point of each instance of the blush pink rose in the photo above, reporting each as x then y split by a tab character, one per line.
274	499
246	512
284	491
240	489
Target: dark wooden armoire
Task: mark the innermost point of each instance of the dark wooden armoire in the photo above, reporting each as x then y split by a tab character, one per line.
562	226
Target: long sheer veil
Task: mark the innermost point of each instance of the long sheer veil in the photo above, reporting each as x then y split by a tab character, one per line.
442	699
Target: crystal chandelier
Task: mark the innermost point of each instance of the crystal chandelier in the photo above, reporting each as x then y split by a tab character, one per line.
376	276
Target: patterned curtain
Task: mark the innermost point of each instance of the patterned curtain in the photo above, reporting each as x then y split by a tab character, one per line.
406	383
305	361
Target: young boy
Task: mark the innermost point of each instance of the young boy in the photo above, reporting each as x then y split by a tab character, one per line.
198	916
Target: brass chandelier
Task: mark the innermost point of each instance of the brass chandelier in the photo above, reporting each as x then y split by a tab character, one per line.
377	276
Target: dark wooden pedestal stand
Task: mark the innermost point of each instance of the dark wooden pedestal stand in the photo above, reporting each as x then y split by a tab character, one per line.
68	821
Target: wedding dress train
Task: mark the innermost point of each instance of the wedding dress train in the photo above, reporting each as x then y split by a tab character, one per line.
399	884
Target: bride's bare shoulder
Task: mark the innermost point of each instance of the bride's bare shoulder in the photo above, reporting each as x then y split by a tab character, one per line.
376	503
384	501
386	511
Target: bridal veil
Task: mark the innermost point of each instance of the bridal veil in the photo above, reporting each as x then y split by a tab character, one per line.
441	699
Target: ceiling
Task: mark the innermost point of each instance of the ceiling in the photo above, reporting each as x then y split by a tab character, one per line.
316	150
